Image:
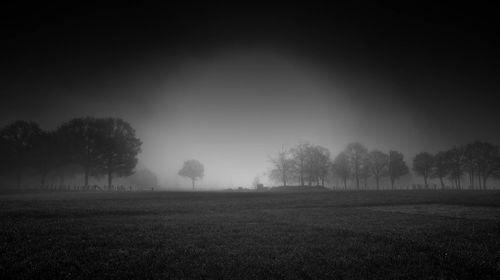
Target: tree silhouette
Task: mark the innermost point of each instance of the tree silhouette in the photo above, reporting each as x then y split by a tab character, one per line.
117	148
193	170
317	164
397	166
19	140
341	167
46	154
379	165
488	161
283	167
356	154
300	154
455	158
441	167
422	165
80	136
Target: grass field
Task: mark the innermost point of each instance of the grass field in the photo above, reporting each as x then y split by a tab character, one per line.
332	235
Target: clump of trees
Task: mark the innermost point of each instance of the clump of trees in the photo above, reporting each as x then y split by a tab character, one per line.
311	165
475	162
93	146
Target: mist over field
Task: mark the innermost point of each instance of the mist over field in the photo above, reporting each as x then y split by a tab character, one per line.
233	86
249	141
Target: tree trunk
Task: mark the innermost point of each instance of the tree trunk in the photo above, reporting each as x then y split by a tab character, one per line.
192	180
345	183
377	181
485	178
425	182
392	183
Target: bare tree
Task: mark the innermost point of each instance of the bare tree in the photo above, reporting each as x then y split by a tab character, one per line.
282	167
422	165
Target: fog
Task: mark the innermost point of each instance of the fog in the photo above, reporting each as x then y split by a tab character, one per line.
233	92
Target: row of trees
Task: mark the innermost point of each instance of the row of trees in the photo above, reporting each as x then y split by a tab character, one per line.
477	161
307	164
96	146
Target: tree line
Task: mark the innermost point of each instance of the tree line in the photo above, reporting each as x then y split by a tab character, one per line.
93	147
477	162
311	165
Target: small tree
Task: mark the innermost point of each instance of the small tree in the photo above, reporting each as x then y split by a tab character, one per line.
422	165
193	170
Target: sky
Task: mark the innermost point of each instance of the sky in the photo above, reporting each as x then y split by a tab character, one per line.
233	85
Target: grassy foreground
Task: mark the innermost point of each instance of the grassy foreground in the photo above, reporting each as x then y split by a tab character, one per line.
334	235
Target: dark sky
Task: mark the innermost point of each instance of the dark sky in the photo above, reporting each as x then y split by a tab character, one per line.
231	85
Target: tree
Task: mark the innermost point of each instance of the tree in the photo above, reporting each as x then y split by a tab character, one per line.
422	165
282	167
488	159
441	167
397	166
365	171
46	155
341	168
117	148
18	141
356	153
317	164
471	162
300	154
79	137
379	165
193	170
455	158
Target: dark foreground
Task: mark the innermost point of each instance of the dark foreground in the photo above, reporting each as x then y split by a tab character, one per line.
365	235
